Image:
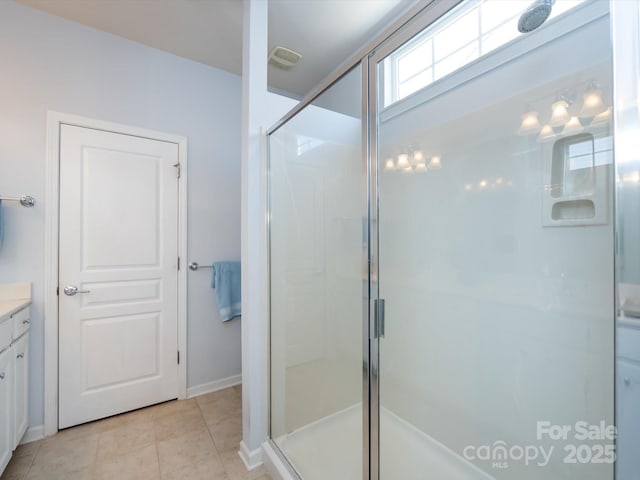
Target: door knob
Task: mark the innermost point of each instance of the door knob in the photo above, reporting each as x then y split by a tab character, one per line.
71	290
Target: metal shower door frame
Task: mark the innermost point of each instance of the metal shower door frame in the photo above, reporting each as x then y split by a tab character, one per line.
419	22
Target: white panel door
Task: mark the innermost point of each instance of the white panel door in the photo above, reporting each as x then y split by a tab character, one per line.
119	248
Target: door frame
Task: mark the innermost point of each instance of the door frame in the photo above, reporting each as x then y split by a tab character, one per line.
55	120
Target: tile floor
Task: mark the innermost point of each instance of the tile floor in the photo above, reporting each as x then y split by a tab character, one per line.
193	439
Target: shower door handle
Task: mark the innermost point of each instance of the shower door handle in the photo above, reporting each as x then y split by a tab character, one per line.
379	322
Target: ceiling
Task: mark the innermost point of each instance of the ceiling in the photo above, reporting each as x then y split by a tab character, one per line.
326	32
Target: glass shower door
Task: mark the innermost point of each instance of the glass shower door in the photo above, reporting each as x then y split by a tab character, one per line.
495	246
317	280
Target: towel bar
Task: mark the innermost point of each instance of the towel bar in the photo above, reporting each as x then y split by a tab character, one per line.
195	266
25	200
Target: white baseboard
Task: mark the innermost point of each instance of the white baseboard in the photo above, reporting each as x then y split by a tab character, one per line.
274	464
33	434
213	386
251	458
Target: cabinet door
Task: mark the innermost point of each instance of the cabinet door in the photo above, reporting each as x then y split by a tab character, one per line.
21	390
6	411
628	420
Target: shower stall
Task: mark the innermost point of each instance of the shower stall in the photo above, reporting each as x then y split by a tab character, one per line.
443	232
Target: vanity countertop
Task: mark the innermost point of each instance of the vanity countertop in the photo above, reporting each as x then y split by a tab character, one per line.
9	307
14	297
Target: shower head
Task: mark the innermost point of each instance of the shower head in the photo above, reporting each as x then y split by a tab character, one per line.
535	15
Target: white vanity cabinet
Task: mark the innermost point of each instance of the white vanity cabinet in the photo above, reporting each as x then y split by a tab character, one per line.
6	392
628	412
628	399
14	376
20	350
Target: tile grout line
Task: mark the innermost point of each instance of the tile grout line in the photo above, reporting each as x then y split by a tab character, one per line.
156	441
33	459
213	442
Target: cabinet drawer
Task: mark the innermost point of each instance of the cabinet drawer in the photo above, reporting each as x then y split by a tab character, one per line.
21	322
5	332
628	342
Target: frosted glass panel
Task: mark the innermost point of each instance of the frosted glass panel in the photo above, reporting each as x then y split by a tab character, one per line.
316	239
498	286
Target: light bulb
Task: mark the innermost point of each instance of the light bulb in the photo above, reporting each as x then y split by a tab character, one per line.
602	117
389	165
559	113
421	167
530	123
418	157
546	134
573	126
483	183
631	177
403	161
592	103
435	163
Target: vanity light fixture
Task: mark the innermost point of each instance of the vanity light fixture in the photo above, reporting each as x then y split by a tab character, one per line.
559	113
530	123
411	160
592	102
602	117
403	161
389	166
573	126
546	134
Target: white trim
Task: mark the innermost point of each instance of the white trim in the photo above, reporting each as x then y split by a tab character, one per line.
52	194
274	464
214	386
33	434
253	225
251	458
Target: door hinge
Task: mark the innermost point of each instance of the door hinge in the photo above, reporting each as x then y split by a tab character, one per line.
178	169
379	318
178	357
58	291
178	263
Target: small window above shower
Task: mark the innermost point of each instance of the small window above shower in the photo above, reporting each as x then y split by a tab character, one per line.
475	29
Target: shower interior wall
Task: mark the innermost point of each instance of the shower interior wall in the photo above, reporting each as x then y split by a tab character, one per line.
504	322
316	268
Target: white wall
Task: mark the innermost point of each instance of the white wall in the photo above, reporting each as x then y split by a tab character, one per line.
53	64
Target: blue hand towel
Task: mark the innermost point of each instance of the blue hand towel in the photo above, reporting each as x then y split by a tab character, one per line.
226	281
